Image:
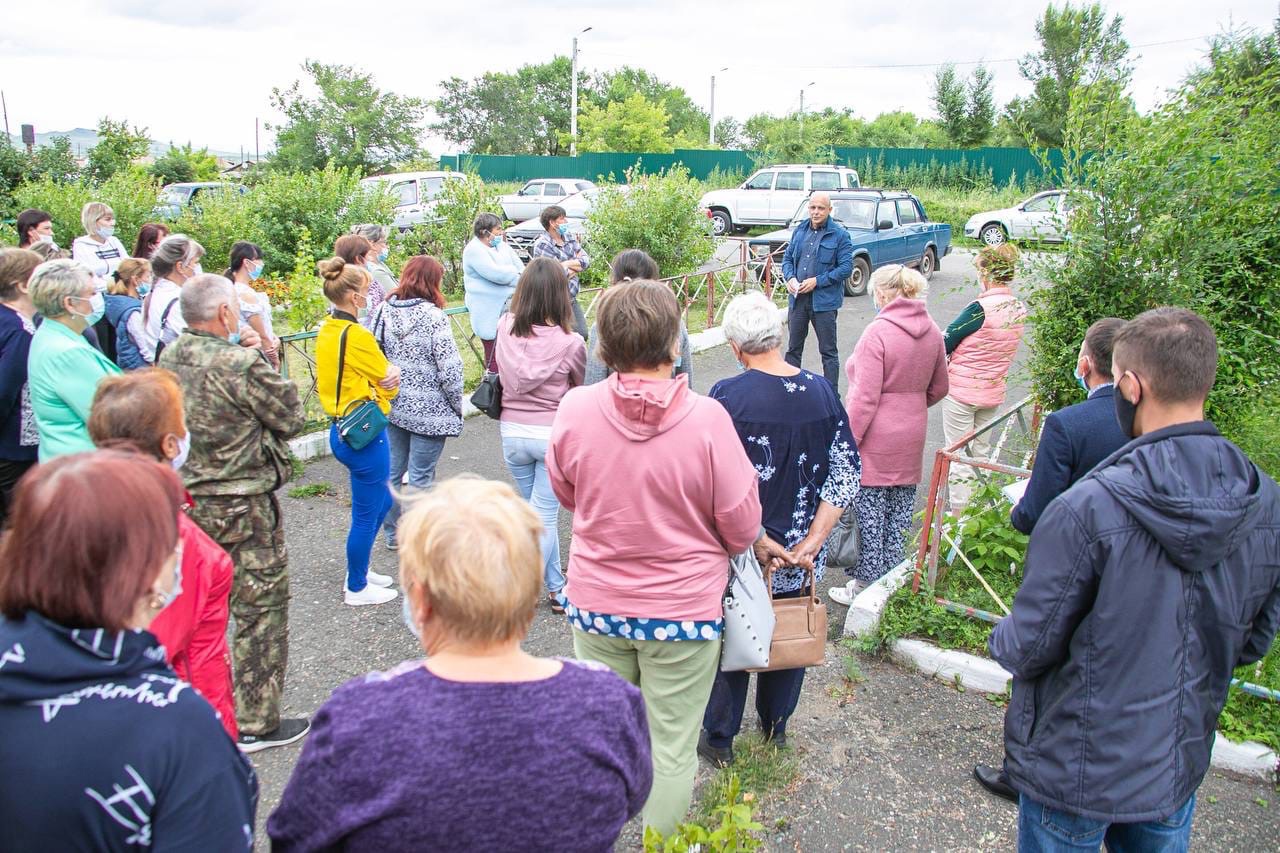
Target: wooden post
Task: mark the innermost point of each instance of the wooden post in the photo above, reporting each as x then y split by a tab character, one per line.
711	299
766	275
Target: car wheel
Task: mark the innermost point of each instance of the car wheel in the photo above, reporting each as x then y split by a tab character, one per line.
993	234
928	263
856	284
721	224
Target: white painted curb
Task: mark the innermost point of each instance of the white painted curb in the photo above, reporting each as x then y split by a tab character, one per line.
1250	759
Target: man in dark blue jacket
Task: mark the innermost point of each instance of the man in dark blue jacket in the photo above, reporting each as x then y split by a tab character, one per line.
818	260
1073	441
1076	438
1147	584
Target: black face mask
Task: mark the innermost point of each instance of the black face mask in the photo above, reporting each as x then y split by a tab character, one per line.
1126	411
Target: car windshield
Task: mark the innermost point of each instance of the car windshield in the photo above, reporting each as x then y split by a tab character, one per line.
175	195
849	212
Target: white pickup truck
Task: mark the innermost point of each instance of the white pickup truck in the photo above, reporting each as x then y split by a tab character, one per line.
771	196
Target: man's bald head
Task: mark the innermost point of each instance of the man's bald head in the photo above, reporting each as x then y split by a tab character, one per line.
819	209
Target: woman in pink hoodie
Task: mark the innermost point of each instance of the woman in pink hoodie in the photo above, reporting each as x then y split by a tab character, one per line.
897	371
661	493
539	359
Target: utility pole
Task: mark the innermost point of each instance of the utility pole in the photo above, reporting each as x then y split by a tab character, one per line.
712	139
802	109
5	105
257	152
573	106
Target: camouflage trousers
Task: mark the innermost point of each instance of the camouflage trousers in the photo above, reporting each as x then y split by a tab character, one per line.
250	529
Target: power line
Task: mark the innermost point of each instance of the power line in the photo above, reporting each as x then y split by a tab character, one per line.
890	66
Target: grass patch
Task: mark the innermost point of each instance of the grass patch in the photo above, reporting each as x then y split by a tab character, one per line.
312	490
1248	717
759	768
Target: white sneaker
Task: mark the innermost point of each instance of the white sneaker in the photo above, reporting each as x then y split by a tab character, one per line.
378	579
370	595
847	593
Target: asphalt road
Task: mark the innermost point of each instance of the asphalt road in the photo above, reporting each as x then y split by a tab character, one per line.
885	765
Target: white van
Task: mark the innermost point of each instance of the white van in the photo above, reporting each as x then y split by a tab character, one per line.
415	194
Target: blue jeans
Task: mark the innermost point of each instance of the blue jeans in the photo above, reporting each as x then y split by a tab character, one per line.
1045	830
799	316
526	459
370	500
417	454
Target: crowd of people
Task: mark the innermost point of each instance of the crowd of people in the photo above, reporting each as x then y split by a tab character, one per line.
131	715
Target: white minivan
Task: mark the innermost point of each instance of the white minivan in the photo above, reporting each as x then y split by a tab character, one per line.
415	194
771	195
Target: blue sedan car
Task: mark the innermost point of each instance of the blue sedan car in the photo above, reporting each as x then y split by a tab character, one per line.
887	227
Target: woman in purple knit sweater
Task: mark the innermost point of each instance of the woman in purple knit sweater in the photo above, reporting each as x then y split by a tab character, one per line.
481	746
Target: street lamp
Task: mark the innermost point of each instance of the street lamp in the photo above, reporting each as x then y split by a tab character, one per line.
713	106
573	107
802	88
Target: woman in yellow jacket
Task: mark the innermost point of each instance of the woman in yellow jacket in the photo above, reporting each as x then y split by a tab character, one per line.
364	374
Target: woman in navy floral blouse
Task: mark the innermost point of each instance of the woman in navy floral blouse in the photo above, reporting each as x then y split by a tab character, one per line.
796	433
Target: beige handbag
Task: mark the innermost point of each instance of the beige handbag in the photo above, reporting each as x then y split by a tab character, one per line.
799	630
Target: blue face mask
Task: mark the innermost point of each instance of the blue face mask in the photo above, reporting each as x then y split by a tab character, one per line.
384	254
255	272
494	241
97	308
1080	379
563	228
144	289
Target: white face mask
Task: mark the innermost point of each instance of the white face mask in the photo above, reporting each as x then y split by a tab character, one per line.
184	450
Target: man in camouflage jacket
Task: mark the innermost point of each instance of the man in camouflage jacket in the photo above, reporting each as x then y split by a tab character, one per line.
240	414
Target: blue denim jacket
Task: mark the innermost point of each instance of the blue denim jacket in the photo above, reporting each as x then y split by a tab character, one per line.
834	262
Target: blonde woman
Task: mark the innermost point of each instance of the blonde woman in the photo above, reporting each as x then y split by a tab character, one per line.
98	249
981	344
350	368
481	746
129	284
897	371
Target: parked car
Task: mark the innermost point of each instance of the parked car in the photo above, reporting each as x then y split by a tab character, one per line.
538	193
770	196
576	207
175	197
1042	217
415	194
886	228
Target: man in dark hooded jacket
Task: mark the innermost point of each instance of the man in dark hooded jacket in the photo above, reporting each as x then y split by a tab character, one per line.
1147	584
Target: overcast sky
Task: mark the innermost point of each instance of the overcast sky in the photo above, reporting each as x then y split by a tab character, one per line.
202	71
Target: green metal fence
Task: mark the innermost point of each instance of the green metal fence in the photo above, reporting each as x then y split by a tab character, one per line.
1002	163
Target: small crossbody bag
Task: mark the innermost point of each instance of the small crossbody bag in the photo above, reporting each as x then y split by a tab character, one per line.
362	421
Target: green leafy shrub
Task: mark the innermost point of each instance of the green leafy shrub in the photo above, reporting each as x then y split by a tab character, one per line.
735	831
220	220
131	193
303	305
457	207
657	213
323	204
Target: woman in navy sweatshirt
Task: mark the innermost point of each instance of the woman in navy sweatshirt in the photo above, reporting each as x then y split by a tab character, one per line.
104	748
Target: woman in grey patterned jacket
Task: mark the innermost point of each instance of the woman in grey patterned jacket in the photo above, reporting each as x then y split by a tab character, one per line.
414	333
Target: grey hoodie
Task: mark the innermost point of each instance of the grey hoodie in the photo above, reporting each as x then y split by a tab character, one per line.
1147	583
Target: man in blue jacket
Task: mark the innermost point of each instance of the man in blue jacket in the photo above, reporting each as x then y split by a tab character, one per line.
818	260
1073	441
1147	584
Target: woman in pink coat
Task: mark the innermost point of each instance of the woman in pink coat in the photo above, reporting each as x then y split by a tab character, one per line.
897	371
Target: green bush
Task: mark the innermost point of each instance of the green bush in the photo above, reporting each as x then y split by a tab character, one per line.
132	194
221	219
658	213
303	305
324	205
457	207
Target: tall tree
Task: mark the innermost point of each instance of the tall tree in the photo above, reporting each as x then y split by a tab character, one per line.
498	113
966	108
117	148
1082	57
687	123
980	108
349	122
185	164
635	124
948	100
54	161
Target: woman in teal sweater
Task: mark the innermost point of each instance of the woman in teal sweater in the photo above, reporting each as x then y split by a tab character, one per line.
63	370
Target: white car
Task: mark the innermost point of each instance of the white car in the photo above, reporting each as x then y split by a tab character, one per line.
537	194
576	207
1043	217
415	194
771	195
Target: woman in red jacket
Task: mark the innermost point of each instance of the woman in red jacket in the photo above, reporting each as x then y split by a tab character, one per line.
143	411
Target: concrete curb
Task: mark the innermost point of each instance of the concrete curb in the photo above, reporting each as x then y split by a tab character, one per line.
315	445
1249	758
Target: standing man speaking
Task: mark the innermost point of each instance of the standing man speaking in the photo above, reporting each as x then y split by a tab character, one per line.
817	262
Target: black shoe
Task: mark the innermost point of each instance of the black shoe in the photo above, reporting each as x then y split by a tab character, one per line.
717	755
778	741
995	781
289	731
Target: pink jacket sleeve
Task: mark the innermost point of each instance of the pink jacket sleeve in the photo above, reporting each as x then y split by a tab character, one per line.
561	480
735	494
940	383
578	364
865	370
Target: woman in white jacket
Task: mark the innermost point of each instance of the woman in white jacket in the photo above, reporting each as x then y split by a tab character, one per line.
490	270
99	248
